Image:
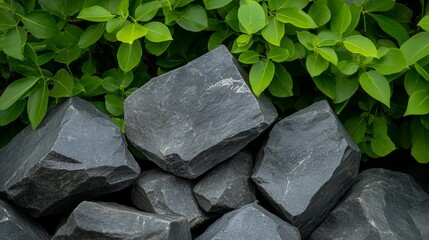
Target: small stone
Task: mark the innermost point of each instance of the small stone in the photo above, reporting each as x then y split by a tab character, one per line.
307	165
156	191
15	225
76	153
250	222
110	221
194	117
383	205
227	186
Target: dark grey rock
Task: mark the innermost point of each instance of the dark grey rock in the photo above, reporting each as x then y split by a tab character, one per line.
306	166
109	221
381	205
14	225
76	153
194	117
156	191
227	186
250	222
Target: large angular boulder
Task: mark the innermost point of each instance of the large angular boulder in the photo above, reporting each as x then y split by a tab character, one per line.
250	222
15	225
227	186
382	205
306	166
110	221
156	191
194	117
76	153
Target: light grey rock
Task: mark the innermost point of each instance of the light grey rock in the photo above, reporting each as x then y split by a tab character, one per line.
381	205
156	191
227	186
306	166
194	117
109	221
250	222
76	153
15	225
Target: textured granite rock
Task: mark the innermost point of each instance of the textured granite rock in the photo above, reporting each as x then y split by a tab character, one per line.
306	166
194	117
109	221
250	222
76	153
15	225
227	186
381	205
156	191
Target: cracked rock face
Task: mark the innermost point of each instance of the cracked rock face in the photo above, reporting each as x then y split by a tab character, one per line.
156	191
14	225
381	205
194	117
76	153
306	166
109	221
227	186
250	222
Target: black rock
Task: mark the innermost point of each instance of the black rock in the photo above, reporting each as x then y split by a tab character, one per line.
306	166
156	191
76	153
250	222
194	117
109	221
15	225
383	205
227	186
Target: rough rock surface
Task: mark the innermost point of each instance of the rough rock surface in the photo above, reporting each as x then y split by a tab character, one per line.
156	191
227	186
382	205
15	225
109	221
194	117
76	153
250	222
306	166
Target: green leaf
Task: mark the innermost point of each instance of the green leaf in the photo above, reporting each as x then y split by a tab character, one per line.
131	32
114	24
419	141
91	86
157	32
68	55
282	84
217	38
63	84
232	19
251	15
13	44
237	49
381	143
7	20
328	54
260	76
273	32
40	24
348	68
421	71
392	62
249	57
379	5
326	84
114	104
424	23
193	19
110	83
316	64
62	8
15	90
361	45
413	82
376	85
296	17
37	104
244	39
91	35
341	20
129	55
215	4
320	13
157	48
356	127
345	87
146	11
327	38
392	27
308	40
89	67
418	104
12	113
276	4
95	14
416	48
278	54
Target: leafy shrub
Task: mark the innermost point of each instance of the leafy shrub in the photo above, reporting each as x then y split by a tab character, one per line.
370	58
